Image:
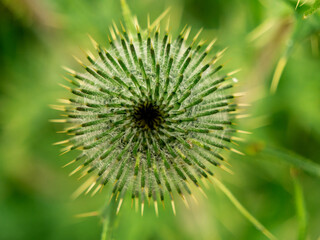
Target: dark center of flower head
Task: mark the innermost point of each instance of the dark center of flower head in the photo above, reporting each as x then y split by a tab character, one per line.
147	115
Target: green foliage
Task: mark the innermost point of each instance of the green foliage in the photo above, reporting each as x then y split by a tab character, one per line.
315	6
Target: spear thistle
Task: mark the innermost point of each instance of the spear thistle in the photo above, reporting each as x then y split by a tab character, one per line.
150	114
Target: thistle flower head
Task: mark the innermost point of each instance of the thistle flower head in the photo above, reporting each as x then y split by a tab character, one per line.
150	114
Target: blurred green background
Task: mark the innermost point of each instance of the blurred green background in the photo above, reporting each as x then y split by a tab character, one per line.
275	180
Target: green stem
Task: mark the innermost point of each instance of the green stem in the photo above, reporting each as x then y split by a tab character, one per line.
243	211
109	216
293	159
259	151
300	204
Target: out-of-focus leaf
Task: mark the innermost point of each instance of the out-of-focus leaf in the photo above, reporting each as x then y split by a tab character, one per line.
300	205
289	157
312	9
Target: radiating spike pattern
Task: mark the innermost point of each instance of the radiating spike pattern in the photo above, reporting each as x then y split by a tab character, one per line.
150	115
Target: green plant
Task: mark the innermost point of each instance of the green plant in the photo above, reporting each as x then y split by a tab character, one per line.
150	115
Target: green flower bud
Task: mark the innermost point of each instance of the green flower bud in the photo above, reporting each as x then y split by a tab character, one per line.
150	115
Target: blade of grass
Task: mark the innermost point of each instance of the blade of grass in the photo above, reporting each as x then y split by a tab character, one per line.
293	159
312	9
300	204
277	73
298	2
243	210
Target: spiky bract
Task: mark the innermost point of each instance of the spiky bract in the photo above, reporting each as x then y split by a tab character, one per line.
150	114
